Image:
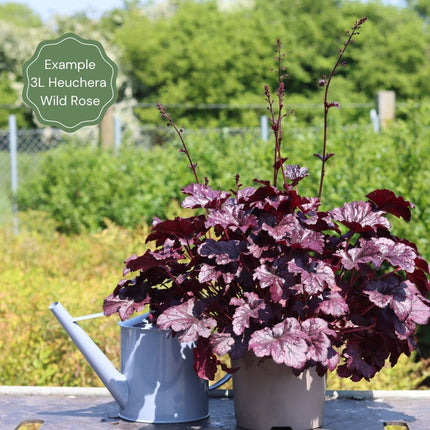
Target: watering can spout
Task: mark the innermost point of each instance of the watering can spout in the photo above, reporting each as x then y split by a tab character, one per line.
114	381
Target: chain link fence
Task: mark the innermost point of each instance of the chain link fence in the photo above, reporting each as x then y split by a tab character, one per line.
32	144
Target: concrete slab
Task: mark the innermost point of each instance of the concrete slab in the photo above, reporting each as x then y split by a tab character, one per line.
94	409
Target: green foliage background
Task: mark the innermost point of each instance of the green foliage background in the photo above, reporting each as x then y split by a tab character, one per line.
189	53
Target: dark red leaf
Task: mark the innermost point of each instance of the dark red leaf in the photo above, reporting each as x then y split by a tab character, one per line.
178	228
387	201
205	361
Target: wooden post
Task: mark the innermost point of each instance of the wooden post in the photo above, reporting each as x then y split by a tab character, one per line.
386	101
107	129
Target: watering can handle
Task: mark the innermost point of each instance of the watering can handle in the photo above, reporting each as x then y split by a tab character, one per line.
214	386
222	381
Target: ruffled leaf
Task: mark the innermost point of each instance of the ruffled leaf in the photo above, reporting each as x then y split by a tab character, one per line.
203	196
285	343
224	252
318	339
360	217
387	201
251	306
181	319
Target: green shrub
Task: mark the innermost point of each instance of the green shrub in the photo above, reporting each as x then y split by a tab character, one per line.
41	266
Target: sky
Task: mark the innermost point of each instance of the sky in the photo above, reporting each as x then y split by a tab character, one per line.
46	8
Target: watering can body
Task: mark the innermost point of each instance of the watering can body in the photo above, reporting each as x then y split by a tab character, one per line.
157	382
164	387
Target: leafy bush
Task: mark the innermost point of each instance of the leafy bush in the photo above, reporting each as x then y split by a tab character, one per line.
40	267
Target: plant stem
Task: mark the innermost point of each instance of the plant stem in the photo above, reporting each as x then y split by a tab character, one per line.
184	149
328	105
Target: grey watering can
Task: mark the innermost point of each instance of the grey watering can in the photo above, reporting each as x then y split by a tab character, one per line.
157	383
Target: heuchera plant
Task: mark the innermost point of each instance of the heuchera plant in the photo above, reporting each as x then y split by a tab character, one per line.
263	269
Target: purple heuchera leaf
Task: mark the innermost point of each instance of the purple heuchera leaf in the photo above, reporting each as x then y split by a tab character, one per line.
181	319
269	279
333	304
390	291
396	253
352	258
212	273
282	228
221	343
315	277
248	307
203	196
205	361
307	239
244	194
143	262
360	216
355	367
295	173
224	252
285	343
378	250
420	312
231	217
124	307
318	340
178	228
297	236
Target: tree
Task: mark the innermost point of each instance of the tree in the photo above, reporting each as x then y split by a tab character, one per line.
194	53
20	15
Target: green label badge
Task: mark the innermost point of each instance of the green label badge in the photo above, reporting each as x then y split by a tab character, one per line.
69	82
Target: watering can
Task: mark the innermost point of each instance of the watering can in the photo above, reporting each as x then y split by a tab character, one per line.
157	382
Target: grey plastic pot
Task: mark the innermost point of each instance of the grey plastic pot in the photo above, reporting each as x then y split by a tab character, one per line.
270	395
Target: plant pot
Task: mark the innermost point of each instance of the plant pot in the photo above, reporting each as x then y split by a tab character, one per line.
269	395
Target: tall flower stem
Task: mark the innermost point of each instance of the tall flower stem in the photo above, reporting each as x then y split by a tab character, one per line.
327	105
164	114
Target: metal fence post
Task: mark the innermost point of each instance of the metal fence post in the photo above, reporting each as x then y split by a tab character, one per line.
264	124
117	132
374	117
13	169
